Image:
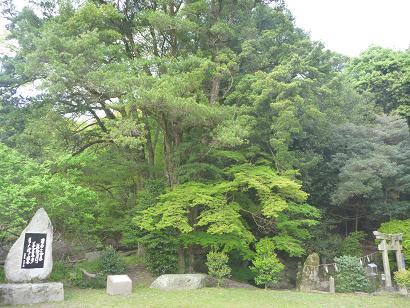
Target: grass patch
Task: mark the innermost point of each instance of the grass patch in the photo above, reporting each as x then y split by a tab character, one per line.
213	297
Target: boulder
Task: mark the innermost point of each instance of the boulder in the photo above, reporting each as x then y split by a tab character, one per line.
180	281
30	293
30	257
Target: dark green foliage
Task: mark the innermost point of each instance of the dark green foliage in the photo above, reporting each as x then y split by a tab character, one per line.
111	262
351	245
351	276
218	267
161	253
325	241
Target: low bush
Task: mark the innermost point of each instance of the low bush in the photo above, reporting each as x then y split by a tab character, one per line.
111	262
218	266
266	265
402	278
351	276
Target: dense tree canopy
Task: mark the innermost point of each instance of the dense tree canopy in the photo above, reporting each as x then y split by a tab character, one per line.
190	126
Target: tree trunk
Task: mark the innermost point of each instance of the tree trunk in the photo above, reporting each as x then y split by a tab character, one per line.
181	260
150	147
356	222
170	145
216	81
191	259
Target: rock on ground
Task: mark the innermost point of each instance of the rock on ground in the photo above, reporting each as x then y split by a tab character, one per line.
40	223
180	281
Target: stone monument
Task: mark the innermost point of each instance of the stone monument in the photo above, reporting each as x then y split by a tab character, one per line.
308	279
28	262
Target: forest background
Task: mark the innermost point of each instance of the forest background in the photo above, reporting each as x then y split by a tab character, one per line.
195	125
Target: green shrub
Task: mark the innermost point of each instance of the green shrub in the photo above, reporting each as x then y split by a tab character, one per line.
351	276
161	253
351	245
402	278
111	262
266	265
218	267
242	274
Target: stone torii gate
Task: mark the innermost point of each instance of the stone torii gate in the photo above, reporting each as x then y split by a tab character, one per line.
390	242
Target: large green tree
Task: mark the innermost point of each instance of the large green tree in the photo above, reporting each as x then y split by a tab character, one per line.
385	74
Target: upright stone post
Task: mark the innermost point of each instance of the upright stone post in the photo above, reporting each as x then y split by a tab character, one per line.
399	257
331	284
386	265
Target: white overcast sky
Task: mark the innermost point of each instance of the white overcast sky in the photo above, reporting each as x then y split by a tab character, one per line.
347	26
350	26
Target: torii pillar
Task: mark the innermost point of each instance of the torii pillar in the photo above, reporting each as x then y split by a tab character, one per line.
385	247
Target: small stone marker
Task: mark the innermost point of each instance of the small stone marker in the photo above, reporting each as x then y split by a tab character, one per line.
28	262
331	284
119	285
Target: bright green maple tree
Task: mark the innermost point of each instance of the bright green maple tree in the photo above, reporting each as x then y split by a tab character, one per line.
26	186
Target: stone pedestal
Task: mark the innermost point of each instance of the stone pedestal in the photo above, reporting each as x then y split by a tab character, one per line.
119	285
31	293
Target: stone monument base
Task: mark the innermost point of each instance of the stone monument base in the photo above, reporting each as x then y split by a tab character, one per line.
31	293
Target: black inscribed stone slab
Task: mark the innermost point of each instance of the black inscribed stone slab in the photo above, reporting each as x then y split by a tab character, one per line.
34	250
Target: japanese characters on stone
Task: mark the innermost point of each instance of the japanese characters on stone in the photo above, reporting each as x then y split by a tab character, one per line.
34	250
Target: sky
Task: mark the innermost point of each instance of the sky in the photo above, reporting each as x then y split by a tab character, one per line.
350	26
346	26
